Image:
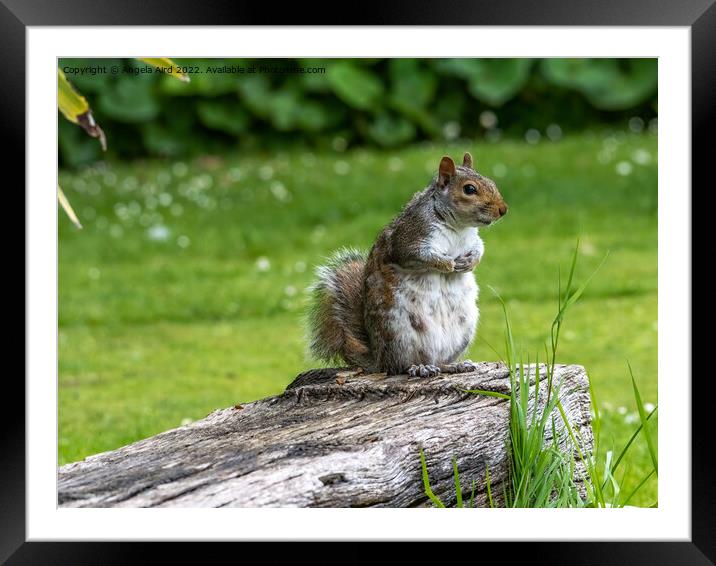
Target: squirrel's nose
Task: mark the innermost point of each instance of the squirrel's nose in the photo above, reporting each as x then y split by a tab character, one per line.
502	209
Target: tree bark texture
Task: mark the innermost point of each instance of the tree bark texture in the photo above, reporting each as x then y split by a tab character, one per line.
334	438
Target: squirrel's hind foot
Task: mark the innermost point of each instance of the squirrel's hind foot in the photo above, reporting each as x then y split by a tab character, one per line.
466	366
421	370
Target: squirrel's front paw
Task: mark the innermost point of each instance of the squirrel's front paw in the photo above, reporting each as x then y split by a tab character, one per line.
445	264
467	261
421	370
468	366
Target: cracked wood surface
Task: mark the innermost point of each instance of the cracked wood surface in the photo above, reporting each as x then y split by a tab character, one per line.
332	439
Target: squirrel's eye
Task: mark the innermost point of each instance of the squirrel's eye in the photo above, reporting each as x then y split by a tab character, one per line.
470	189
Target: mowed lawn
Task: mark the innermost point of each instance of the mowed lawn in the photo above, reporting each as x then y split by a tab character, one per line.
185	290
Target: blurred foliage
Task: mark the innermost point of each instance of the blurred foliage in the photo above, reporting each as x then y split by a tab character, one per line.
73	106
379	102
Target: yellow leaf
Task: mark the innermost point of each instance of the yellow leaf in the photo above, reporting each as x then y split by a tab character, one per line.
75	108
167	65
67	207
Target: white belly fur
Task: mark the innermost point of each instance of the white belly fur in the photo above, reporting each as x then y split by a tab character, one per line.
446	303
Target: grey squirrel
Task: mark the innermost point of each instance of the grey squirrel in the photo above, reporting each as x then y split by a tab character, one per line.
410	306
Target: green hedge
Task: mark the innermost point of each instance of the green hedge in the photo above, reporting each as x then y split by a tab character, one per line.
383	102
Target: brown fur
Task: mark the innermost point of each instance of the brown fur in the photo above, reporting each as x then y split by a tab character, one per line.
417	322
336	319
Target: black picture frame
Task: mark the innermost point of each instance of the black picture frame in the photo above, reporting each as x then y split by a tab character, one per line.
699	15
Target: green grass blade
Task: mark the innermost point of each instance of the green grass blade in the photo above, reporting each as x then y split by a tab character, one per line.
499	356
456	475
575	296
509	341
631	440
488	485
572	268
487	393
426	482
537	380
638	487
644	423
559	285
593	488
597	420
524	389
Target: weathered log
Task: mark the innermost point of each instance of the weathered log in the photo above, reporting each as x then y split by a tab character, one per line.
330	440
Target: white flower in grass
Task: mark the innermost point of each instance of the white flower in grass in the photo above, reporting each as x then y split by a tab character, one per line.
588	248
234	174
610	142
110	179
165	199
151	202
134	208
339	144
499	169
636	124
641	157
129	184
266	172
342	167
532	136
554	132
631	418
158	233
624	168
163	178
395	164
318	233
179	169
451	130
120	210
263	264
488	119
280	192
116	231
605	156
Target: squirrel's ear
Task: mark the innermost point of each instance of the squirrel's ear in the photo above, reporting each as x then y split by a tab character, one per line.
446	171
467	160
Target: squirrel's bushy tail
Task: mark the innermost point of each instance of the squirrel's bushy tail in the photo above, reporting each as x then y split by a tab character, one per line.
335	316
